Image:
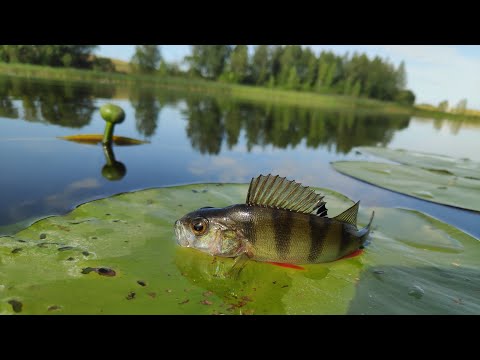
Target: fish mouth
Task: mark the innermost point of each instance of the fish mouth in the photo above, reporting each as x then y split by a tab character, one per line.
180	234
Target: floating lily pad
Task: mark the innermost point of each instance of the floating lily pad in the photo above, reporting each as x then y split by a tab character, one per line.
120	257
97	139
437	163
439	188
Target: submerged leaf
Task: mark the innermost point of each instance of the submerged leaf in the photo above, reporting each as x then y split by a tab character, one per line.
97	139
448	190
412	249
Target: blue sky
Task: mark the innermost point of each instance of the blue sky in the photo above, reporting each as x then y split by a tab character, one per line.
434	72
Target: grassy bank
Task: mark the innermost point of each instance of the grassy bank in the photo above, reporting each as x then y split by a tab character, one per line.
241	92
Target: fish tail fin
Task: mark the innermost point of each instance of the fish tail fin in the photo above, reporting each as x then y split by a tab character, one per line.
371	219
363	233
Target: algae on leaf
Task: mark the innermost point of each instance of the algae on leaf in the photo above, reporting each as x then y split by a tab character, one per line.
439	188
118	255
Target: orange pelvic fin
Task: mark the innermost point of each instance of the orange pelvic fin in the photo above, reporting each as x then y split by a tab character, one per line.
353	254
285	265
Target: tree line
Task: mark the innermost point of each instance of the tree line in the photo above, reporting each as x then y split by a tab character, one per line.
77	56
290	67
460	108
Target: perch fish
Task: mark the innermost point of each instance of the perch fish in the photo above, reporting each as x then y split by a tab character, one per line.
281	222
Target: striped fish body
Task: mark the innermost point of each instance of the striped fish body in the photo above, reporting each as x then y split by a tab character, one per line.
281	221
280	235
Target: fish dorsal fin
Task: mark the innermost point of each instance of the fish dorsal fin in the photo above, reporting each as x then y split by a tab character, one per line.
280	193
350	215
322	211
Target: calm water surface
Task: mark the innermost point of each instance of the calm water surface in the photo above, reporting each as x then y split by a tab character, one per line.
197	138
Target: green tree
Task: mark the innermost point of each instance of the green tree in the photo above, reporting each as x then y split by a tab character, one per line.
3	53
405	97
163	68
289	58
328	71
443	106
276	52
293	81
271	82
50	55
261	65
146	58
208	60
461	107
347	89
239	63
401	76
356	89
311	69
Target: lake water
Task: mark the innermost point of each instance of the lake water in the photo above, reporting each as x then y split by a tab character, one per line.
197	138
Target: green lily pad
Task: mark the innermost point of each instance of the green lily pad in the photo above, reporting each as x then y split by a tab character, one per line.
439	188
437	163
118	256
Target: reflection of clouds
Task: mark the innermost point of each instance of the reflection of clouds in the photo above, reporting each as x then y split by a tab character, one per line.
225	168
64	199
53	203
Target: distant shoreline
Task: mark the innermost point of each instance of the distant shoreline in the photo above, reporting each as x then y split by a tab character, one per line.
241	92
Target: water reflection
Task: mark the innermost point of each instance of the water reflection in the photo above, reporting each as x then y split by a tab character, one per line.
7	109
113	170
454	126
205	126
211	122
146	108
63	104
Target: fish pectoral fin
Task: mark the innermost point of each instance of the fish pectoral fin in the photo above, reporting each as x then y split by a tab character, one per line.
350	215
238	266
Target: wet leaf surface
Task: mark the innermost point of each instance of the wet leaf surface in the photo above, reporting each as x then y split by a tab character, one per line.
423	184
414	264
439	164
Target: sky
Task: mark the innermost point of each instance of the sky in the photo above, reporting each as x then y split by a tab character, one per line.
434	72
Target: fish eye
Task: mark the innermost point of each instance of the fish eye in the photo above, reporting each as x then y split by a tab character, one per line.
199	226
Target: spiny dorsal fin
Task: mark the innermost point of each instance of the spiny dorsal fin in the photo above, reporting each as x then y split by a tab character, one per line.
280	193
350	215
